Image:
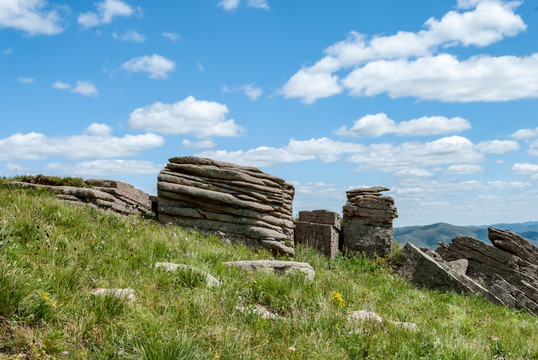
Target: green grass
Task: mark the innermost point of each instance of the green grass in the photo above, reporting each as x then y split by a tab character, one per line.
53	254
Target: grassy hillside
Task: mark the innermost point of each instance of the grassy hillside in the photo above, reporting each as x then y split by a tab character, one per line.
430	235
53	254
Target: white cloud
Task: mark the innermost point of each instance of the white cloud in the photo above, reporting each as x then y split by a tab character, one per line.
106	168
170	36
81	87
155	65
96	129
383	57
380	124
130	35
30	16
252	91
7	51
445	78
228	5
25	80
258	4
533	148
411	155
106	11
414	173
323	149
36	146
200	118
60	85
464	169
201	144
200	67
310	86
526	169
85	88
524	134
497	146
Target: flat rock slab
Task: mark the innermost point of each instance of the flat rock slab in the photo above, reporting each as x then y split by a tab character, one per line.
321	217
123	294
209	279
275	266
365	315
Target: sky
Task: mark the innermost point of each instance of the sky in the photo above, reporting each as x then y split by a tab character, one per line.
436	100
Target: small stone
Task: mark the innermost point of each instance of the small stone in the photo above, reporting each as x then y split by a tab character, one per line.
210	280
276	266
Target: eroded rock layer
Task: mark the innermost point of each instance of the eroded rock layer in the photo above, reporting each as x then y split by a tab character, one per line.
368	221
508	268
246	204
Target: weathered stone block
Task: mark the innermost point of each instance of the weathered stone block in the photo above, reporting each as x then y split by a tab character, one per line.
321	217
324	238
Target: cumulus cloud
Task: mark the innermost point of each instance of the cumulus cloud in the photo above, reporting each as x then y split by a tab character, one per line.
497	146
106	11
252	91
526	169
411	155
310	85
377	60
323	149
413	159
258	4
85	88
170	36
25	80
524	134
464	169
107	168
60	85
533	148
96	129
200	118
36	146
155	65
380	124
445	78
230	5
130	35
30	16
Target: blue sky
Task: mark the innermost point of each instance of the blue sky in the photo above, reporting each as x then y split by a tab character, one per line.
436	100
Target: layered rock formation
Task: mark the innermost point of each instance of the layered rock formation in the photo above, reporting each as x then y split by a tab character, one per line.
319	229
114	195
245	204
368	221
508	269
506	273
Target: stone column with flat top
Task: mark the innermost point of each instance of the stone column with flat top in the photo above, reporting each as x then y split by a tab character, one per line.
368	217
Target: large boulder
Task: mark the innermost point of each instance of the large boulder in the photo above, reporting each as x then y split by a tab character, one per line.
368	220
245	204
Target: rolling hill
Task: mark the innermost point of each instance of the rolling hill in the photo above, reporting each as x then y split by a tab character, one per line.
430	235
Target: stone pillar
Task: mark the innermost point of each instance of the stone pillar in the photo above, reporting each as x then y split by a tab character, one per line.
368	221
319	229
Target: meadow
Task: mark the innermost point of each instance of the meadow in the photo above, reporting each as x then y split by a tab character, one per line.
52	254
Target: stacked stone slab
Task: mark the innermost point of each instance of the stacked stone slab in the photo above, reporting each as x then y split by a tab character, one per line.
245	204
368	221
509	268
319	229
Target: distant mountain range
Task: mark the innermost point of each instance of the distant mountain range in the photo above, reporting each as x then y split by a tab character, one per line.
429	235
